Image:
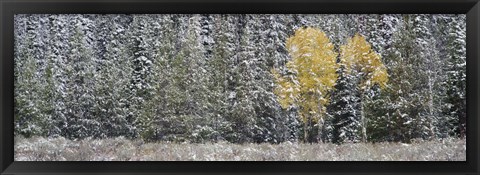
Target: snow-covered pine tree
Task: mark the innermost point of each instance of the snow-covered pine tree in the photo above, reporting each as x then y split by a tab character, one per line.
111	88
338	28
440	32
456	71
395	125
223	53
381	28
140	51
282	26
31	118
275	124
176	118
406	102
59	32
46	78
79	71
344	108
164	69
198	80
267	122
430	71
233	32
242	114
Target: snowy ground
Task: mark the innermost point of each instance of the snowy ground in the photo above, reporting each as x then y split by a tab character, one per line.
119	149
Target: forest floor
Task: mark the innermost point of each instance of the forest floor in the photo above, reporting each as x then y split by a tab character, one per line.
120	149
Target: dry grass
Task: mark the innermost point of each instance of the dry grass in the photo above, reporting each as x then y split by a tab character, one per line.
120	149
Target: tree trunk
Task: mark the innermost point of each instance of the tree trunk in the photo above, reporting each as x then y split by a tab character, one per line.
305	133
320	128
362	119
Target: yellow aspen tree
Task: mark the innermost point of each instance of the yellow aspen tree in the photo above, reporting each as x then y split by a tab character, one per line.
313	74
359	59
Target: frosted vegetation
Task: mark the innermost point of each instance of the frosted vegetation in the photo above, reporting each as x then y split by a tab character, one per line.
121	149
240	87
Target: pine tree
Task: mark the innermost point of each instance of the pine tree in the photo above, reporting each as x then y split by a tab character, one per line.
407	94
223	53
140	51
242	113
431	68
272	123
60	31
344	108
79	73
456	72
165	66
111	90
382	29
29	116
198	79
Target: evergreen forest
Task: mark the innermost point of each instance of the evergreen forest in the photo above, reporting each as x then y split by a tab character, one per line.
241	78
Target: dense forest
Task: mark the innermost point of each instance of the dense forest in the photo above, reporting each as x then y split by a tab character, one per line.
241	78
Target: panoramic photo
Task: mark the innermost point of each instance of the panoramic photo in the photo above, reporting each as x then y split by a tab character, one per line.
240	87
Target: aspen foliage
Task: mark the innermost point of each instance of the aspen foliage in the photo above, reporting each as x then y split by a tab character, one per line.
314	65
358	57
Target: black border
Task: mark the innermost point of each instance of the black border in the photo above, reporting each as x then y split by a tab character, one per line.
10	7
